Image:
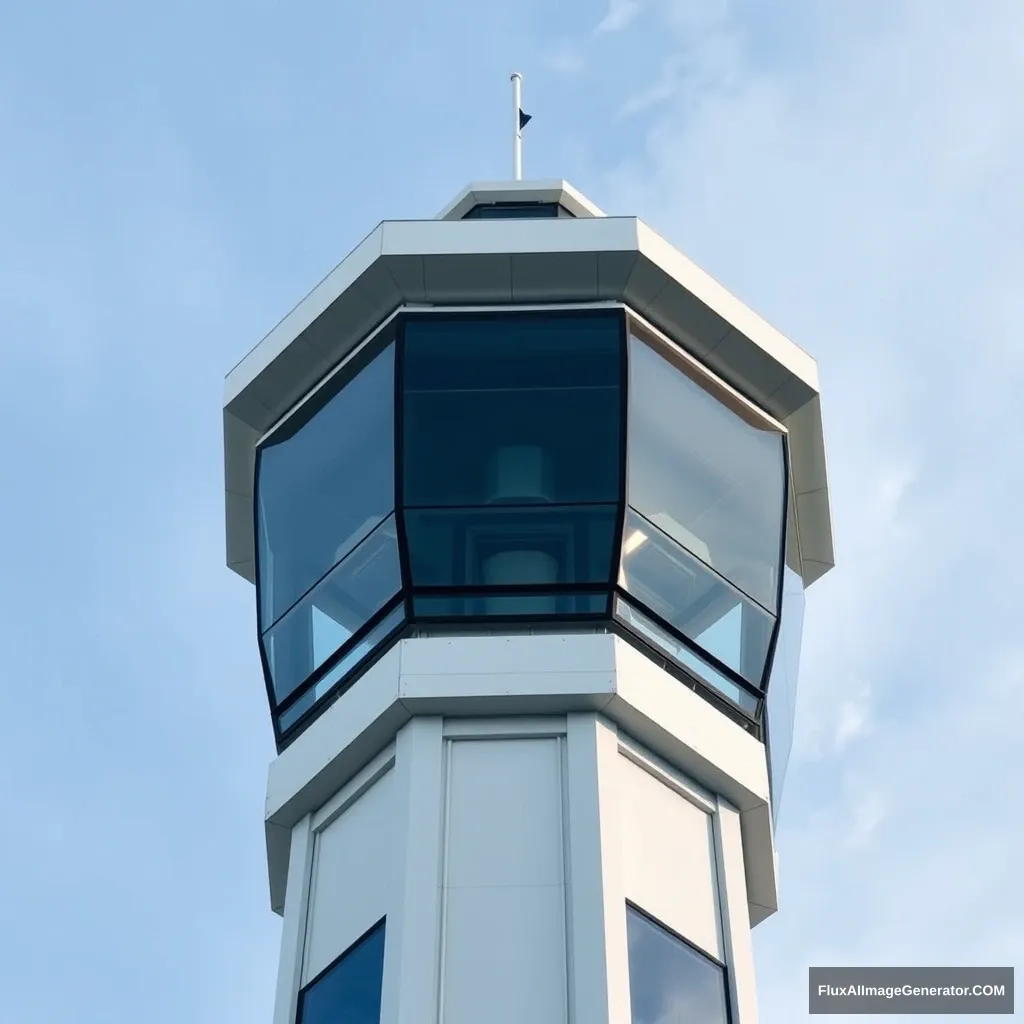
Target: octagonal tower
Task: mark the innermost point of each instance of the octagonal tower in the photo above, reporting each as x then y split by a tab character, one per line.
530	504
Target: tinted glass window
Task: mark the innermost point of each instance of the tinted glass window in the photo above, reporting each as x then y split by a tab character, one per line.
669	981
512	410
663	640
509	211
337	607
511	442
508	546
705	476
666	579
349	992
496	605
360	650
324	485
780	701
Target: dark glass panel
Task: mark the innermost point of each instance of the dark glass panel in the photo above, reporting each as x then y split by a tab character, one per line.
350	991
336	608
548	605
681	590
345	666
516	211
519	409
323	484
669	981
709	478
508	546
677	651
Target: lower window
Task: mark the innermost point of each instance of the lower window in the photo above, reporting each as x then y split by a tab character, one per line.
670	982
350	989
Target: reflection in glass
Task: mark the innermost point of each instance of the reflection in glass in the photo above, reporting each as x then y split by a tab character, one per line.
349	992
669	981
323	483
780	702
507	545
677	651
533	605
518	409
705	476
683	592
345	666
336	608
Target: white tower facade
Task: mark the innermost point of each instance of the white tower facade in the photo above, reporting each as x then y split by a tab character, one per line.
530	504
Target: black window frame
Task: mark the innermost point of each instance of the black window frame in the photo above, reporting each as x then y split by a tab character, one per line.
518	210
693	947
380	926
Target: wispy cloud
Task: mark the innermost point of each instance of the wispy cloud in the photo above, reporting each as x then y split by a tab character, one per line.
621	14
567	60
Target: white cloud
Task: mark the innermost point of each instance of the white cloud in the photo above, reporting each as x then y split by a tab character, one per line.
621	14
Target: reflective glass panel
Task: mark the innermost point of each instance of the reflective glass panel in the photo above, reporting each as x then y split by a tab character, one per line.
677	651
349	992
324	482
336	608
532	605
780	701
703	474
511	409
682	591
669	981
349	661
511	545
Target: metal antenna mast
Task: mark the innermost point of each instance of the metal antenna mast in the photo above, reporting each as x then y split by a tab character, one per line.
521	120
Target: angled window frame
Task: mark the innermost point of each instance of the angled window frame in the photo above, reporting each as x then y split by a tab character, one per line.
380	928
702	954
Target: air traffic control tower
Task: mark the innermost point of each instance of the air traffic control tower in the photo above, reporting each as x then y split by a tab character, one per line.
530	504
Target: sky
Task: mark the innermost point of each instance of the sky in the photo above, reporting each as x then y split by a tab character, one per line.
175	177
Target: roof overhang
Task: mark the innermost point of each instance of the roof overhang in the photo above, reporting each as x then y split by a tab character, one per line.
527	262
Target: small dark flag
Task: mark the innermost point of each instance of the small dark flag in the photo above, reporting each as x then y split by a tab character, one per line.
524	119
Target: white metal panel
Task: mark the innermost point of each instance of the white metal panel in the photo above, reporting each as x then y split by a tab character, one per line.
735	916
504	813
487	275
504	948
504	956
704	287
718	752
508	655
596	901
333	747
412	941
354	874
669	857
289	973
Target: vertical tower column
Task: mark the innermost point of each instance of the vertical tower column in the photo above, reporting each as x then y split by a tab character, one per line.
542	867
530	510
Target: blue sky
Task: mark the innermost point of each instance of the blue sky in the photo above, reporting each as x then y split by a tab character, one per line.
175	177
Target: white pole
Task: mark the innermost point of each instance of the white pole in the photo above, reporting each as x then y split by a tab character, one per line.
517	143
